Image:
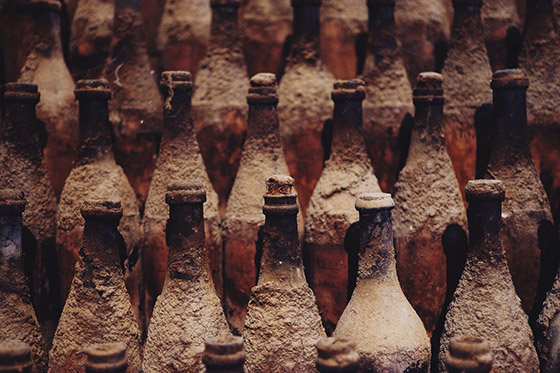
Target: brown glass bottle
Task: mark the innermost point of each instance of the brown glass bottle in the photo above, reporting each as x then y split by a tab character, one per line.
347	173
188	309
179	159
220	110
15	357
136	106
430	217
183	34
337	355
528	231
262	156
98	308
304	101
468	355
283	322
96	173
224	354
389	335
45	67
106	358
485	303
388	104
23	168
18	321
465	84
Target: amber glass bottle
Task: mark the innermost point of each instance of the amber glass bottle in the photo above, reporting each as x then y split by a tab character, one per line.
469	355
18	321
224	354
106	358
485	303
98	308
347	173
15	356
188	309
179	159
337	355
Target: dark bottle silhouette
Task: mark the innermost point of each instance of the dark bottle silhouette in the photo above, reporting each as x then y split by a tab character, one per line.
468	354
15	356
224	354
106	358
337	355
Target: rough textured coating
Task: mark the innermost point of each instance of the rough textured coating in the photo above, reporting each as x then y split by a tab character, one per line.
337	355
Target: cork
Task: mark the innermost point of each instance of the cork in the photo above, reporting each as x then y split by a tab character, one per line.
280	197
263	90
429	88
509	79
485	190
373	202
185	193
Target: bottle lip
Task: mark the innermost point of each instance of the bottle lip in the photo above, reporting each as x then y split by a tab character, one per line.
263	90
485	190
12	201
510	79
377	3
227	350
109	211
468	352
371	202
92	89
14	353
353	89
296	3
185	193
173	79
54	5
337	352
106	355
429	88
225	3
22	92
464	3
280	198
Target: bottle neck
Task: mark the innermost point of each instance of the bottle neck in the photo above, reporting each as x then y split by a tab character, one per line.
305	40
224	32
128	30
382	29
377	254
21	127
101	249
467	24
178	122
47	40
484	231
263	124
95	134
540	21
348	142
11	254
427	131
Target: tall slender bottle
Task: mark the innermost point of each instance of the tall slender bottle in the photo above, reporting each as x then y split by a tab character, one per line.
528	233
18	321
304	101
389	334
45	67
220	111
262	156
188	309
430	217
224	354
283	322
388	105
465	84
347	173
15	356
23	168
468	354
106	358
179	159
136	107
95	173
337	355
485	302
98	308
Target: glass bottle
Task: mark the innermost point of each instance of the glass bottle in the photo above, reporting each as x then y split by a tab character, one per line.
106	358
224	354
337	355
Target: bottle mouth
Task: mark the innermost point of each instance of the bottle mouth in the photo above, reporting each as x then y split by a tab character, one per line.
53	5
337	352
224	3
467	3
174	79
222	351
92	89
349	90
373	202
510	79
15	354
109	211
485	190
22	92
296	3
263	90
280	198
105	356
12	201
185	193
469	353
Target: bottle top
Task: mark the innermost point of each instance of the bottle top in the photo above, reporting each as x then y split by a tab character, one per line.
485	190
224	351
92	89
224	3
176	79
510	79
54	5
12	202
429	88
263	90
469	354
15	356
374	202
337	353
306	2
354	90
280	199
185	193
107	211
105	357
463	3
22	92
374	3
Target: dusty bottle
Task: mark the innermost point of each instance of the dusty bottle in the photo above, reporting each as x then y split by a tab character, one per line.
485	302
468	354
389	335
179	159
283	322
547	329
465	85
262	156
45	67
15	357
220	110
304	101
98	308
96	173
528	234
90	37
224	354
106	358
21	154
347	173
430	217
388	105
188	309
337	355
136	107
18	321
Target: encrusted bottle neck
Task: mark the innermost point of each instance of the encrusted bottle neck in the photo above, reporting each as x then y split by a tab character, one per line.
12	274
20	125
377	254
177	90
224	32
305	38
382	29
46	28
95	132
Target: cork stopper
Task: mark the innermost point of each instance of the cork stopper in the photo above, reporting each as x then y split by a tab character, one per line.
373	202
224	3
280	199
176	79
429	88
106	357
485	190
224	352
106	211
185	193
92	89
337	355
263	90
306	2
510	79
22	92
15	356
53	5
12	202
354	90
467	3
469	354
